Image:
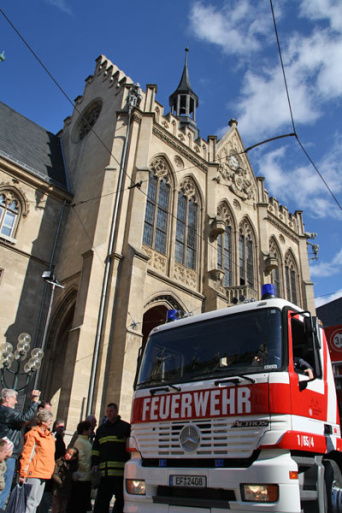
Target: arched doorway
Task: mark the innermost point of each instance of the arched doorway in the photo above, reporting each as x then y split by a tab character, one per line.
57	377
152	318
156	314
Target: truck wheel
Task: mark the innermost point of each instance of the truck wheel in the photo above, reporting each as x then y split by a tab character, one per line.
333	484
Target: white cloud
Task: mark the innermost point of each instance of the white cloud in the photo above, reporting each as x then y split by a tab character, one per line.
263	109
323	10
322	300
238	27
311	61
282	179
327	269
60	4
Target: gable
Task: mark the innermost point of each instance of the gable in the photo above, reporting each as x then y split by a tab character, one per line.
234	168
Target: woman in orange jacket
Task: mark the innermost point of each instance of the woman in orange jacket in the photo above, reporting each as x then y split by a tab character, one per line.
37	460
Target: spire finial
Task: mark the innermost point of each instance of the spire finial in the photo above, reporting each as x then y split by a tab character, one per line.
186	54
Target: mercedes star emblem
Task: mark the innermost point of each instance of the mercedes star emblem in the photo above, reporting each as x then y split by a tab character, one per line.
190	438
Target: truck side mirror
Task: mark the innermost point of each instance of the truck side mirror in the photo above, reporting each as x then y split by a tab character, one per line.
311	326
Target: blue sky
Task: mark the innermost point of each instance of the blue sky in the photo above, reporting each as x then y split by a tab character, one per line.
235	70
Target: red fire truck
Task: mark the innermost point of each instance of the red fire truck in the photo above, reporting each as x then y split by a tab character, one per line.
228	416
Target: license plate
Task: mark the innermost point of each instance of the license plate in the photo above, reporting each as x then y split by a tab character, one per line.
189	481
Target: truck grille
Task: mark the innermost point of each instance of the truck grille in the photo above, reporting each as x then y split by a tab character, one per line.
218	439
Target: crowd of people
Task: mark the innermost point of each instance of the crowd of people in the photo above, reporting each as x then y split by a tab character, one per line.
59	477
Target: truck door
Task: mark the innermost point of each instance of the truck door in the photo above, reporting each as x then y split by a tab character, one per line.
308	396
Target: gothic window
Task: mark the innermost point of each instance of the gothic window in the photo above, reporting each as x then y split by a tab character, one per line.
246	255
224	255
276	271
9	214
291	275
275	279
157	206
224	247
187	225
87	120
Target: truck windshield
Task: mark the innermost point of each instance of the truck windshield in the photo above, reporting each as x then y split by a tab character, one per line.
247	342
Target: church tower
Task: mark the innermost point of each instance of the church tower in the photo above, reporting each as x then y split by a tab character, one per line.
184	101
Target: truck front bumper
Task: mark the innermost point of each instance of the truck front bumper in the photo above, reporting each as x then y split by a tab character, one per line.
223	488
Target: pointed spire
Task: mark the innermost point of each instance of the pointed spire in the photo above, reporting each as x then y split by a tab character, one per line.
184	101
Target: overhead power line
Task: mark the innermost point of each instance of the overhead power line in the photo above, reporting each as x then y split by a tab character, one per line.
291	113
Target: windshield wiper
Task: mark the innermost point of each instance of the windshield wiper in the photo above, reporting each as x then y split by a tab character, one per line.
167	386
236	380
166	389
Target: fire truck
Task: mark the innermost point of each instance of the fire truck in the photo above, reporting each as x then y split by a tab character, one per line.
227	416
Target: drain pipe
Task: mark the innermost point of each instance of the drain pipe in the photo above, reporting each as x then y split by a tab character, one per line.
40	315
133	99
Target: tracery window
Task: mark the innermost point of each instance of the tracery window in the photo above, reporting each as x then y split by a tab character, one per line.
187	225
291	279
224	247
9	214
276	271
87	120
246	255
157	206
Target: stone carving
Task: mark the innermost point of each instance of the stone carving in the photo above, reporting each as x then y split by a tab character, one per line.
189	190
186	276
179	148
156	260
224	212
159	262
236	205
179	162
238	178
160	168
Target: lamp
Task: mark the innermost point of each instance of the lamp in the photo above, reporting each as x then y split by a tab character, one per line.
8	357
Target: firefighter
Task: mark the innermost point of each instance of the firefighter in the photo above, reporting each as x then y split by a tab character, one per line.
108	456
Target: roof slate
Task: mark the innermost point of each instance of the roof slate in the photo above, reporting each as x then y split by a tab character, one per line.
30	146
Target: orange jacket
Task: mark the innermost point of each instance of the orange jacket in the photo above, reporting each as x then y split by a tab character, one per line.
38	456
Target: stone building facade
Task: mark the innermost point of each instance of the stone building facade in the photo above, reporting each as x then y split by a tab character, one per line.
159	218
33	196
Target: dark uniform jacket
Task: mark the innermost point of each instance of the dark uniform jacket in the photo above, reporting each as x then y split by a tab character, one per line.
12	425
109	447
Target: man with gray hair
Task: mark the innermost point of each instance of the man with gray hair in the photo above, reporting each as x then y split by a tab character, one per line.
12	423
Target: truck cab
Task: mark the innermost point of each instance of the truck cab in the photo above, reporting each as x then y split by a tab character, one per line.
235	409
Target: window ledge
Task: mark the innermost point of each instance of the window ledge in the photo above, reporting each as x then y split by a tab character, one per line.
7	238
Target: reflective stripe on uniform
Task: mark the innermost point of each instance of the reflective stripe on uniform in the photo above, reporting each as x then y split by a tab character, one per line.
106	439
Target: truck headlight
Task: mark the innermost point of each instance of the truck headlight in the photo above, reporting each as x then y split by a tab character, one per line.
135	486
259	492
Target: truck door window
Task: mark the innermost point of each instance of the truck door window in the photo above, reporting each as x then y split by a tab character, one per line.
303	346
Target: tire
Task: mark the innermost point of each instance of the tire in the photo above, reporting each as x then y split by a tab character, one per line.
333	484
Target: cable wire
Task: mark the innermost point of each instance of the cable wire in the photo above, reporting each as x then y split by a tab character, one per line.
291	113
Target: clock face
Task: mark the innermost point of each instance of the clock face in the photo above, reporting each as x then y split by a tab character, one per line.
233	162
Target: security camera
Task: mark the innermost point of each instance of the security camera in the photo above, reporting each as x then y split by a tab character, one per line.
47	275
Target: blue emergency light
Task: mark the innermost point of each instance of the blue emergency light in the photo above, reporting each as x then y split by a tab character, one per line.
268	291
172	315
